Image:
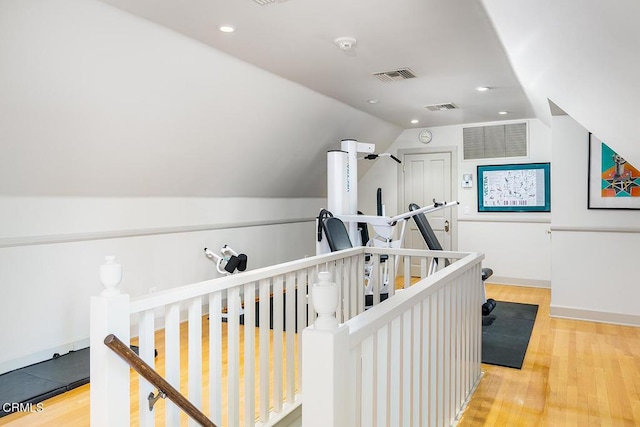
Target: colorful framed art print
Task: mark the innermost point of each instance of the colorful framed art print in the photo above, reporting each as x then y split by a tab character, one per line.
614	183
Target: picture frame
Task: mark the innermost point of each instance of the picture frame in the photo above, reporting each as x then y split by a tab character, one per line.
521	187
612	182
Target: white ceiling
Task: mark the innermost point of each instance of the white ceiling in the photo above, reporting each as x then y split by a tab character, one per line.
102	102
583	56
449	44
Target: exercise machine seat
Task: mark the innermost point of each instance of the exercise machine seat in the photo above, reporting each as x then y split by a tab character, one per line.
432	243
427	232
364	231
336	234
364	236
425	229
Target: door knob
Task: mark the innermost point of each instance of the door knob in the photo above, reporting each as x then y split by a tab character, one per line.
446	226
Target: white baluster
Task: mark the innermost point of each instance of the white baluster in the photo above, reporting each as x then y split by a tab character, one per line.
195	354
278	310
146	341
172	358
249	349
215	357
265	348
290	300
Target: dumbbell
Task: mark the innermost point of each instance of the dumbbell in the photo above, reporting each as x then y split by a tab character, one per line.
488	306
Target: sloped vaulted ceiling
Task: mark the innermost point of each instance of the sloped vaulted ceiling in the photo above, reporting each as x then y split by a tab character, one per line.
583	56
100	102
450	45
97	102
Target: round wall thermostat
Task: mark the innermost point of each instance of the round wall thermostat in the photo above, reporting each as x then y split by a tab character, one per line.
425	136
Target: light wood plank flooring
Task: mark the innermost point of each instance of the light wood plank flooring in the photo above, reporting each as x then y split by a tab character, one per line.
575	374
72	408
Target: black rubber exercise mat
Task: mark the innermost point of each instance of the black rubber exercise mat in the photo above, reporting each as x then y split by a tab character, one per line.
35	383
506	333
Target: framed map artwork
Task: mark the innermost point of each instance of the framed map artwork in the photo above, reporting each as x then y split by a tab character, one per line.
614	183
514	188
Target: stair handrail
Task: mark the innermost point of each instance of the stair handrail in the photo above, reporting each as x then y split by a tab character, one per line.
149	374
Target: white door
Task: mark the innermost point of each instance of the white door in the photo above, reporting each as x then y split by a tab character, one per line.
427	176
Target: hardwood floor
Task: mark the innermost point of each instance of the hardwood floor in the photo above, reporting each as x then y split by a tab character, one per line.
72	408
575	374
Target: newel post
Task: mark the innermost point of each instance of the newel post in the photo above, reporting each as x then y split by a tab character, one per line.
325	353
109	374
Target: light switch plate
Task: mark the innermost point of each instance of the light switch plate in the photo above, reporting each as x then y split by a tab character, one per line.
467	180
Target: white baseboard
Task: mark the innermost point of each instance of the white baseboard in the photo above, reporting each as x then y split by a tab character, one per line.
41	356
532	283
594	316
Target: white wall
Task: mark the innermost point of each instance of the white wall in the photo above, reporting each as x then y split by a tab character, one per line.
594	252
576	53
98	102
46	286
516	246
35	218
122	137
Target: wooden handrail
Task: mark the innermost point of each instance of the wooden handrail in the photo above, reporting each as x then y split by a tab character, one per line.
149	374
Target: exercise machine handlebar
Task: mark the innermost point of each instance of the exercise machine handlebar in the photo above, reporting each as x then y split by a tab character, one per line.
383	220
374	156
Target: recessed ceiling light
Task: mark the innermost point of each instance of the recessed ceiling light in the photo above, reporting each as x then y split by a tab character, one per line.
372	101
502	113
415	121
482	88
227	28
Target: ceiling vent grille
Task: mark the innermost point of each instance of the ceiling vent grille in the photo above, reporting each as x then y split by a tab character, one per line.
441	107
268	2
395	75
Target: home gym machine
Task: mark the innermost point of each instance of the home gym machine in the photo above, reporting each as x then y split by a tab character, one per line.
341	226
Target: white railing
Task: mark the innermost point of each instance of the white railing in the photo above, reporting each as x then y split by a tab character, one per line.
412	361
235	327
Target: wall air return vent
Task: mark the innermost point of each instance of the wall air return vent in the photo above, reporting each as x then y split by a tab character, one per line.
490	142
441	107
395	75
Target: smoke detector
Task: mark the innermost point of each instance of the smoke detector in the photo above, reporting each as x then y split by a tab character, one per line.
345	43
